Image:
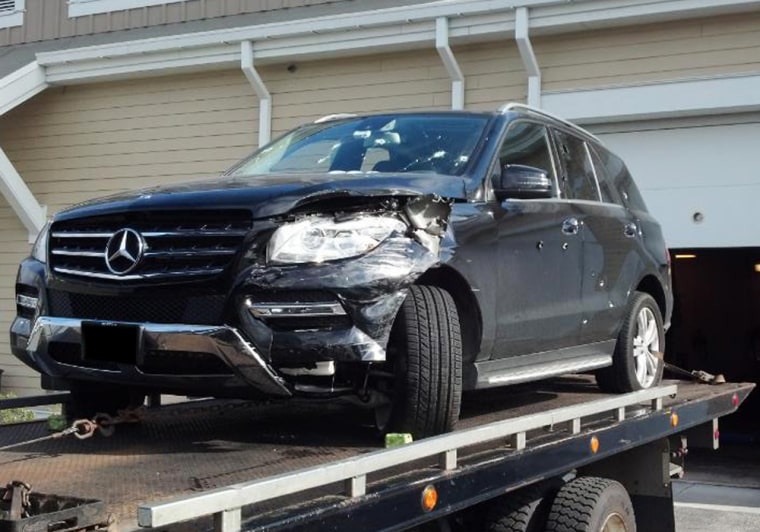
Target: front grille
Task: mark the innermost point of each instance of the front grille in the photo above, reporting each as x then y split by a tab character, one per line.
182	363
322	323
175	245
154	308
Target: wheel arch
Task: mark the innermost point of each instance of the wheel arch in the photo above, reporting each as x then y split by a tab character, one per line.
470	315
652	286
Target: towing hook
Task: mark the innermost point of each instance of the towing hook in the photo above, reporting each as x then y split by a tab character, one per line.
84	428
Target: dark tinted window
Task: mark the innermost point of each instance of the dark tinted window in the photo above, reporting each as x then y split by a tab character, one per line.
577	172
615	181
527	143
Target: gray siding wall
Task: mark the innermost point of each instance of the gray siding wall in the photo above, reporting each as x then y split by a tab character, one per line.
49	19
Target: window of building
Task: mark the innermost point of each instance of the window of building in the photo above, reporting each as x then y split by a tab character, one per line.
79	8
11	13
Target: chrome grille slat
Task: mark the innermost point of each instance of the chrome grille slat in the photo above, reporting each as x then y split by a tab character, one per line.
77	253
135	277
180	244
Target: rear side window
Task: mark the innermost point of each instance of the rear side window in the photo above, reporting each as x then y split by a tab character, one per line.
615	181
578	180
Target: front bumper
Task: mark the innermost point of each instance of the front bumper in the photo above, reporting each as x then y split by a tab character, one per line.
222	342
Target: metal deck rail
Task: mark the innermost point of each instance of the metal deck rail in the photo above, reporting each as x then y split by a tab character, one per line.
226	504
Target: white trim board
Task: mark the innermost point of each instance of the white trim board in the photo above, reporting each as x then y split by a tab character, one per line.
80	8
14	17
718	95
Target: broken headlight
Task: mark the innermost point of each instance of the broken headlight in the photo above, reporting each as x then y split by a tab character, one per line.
320	239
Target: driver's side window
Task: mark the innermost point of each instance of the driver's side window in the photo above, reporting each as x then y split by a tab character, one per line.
527	144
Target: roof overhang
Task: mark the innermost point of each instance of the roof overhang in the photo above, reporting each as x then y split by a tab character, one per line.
378	30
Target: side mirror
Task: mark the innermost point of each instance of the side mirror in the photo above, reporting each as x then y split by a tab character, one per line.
523	182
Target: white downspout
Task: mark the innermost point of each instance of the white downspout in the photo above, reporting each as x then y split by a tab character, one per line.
450	62
522	36
265	98
20	198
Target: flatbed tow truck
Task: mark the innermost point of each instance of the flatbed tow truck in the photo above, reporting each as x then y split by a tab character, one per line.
551	448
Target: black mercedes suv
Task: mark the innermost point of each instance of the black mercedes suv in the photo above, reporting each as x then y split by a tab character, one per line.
394	259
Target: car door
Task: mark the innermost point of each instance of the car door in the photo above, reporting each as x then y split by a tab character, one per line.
605	225
540	257
611	240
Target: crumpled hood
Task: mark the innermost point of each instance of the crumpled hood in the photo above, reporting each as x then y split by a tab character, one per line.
269	195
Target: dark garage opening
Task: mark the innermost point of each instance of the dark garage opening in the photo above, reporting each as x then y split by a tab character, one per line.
716	324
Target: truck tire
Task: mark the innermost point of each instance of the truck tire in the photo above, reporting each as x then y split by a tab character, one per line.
591	504
637	362
426	355
524	510
88	399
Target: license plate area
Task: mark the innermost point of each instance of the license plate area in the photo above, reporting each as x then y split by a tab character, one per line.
110	342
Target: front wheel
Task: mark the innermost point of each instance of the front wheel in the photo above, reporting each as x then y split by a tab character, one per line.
425	354
638	358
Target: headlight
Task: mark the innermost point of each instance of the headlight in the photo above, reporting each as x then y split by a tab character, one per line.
319	239
39	250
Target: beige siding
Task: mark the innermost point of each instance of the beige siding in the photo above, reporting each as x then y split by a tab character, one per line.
49	19
657	52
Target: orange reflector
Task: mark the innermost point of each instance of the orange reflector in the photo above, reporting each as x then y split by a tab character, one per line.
594	444
673	419
429	498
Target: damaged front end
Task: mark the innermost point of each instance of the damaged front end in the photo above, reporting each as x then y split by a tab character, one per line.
319	288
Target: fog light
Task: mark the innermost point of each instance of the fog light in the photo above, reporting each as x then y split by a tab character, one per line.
26	301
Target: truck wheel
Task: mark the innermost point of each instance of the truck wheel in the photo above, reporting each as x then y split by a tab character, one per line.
638	359
425	351
88	399
524	510
591	504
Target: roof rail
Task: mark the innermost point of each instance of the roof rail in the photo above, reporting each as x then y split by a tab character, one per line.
512	106
336	116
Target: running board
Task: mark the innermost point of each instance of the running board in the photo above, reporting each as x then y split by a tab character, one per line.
543	370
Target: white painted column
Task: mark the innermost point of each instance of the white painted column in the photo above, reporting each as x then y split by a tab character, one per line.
265	98
20	198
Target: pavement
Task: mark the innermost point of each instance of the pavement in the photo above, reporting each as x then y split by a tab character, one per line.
720	491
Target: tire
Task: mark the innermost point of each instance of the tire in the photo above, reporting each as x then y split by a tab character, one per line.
525	510
425	351
637	362
591	504
88	399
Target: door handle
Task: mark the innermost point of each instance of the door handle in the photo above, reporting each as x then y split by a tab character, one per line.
631	230
570	226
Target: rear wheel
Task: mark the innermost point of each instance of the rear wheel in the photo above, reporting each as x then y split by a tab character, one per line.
638	358
88	399
525	510
591	504
425	359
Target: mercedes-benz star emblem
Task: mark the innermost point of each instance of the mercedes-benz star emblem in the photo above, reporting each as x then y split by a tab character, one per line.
124	251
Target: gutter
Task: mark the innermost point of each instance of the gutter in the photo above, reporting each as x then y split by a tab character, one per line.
265	97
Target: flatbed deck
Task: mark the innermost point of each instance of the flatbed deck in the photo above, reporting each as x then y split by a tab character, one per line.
200	445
